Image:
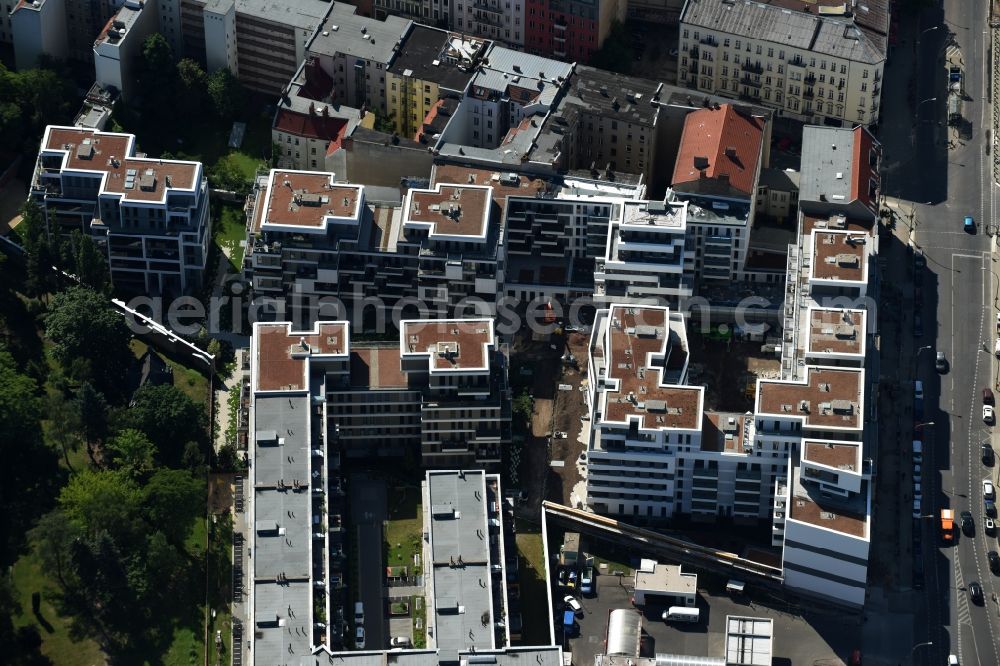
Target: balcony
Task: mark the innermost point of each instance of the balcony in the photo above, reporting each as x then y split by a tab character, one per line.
708	41
753	68
808	94
751	81
796	62
810	79
694	53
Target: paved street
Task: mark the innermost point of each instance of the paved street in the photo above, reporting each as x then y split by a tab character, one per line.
368	512
948	177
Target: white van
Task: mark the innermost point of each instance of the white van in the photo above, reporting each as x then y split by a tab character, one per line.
681	614
359	613
918	451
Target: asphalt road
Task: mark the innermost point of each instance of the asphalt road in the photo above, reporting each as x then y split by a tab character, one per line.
947	183
368	512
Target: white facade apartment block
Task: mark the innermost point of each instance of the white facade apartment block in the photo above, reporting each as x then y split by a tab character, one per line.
645	256
220	36
118	47
151	216
36	28
807	66
498	20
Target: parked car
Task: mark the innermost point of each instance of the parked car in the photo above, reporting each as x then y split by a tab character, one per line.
968	525
989	526
572	604
976	592
994	561
987	455
990	508
988	396
359	638
988	414
969	225
400	642
940	362
989	492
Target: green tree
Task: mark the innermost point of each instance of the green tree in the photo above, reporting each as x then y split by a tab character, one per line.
103	500
193	459
54	535
227	174
192	87
226	94
173	499
92	412
130	451
88	263
169	418
29	473
83	327
63	429
522	407
40	258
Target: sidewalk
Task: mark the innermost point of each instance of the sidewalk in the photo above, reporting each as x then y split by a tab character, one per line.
223	390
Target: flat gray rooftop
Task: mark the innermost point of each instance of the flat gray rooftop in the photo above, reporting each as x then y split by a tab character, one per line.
826	152
459	540
304	14
282	613
345	33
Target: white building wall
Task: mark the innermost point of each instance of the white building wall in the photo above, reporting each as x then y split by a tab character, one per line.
835	565
38	28
220	37
115	61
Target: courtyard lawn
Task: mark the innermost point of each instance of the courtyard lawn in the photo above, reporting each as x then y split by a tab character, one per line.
404	529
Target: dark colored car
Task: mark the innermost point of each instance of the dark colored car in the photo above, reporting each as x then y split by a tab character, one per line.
968	526
987	452
990	507
994	561
976	593
988	396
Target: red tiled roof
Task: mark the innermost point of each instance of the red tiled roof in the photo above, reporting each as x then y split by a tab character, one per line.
309	126
708	133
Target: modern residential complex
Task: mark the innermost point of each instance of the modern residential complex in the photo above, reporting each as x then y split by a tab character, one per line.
813	65
802	458
151	216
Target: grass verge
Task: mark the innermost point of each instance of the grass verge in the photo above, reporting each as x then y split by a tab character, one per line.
404	529
534	595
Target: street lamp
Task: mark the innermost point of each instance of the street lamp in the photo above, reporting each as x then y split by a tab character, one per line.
919	645
921	425
924	348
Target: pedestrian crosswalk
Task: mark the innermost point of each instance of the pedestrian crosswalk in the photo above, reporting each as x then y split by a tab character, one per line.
962	599
953	54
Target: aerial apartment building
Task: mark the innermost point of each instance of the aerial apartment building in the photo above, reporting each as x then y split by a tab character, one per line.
311	237
438	395
295	475
118	47
801	458
37	28
496	20
717	170
262	42
816	62
570	30
151	216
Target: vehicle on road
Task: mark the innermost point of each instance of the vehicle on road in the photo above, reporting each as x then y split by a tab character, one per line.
587	581
572	604
918	452
940	362
969	225
918	507
916	474
968	525
990	508
947	525
359	638
918	390
988	396
400	642
976	592
987	455
989	492
359	613
994	561
989	416
681	614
